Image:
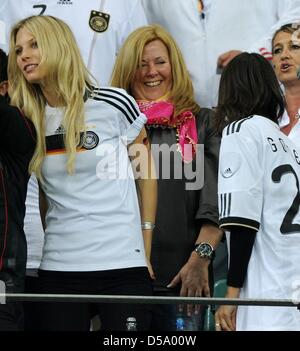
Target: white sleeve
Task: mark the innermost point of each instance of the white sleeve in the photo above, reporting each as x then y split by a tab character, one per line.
131	119
240	180
3	44
288	11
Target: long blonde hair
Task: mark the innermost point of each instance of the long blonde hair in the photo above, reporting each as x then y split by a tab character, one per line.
67	77
130	58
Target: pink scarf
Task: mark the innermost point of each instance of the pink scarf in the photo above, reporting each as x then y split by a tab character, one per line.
160	113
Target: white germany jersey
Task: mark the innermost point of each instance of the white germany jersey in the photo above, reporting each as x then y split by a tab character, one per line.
98	49
93	219
99	36
259	175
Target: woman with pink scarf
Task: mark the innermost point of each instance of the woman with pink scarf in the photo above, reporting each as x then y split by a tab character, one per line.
151	68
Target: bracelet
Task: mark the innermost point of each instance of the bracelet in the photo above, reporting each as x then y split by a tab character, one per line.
148	226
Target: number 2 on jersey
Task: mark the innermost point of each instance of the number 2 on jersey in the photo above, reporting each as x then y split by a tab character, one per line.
287	226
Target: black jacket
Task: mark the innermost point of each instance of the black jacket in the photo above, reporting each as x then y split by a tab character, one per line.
17	143
180	212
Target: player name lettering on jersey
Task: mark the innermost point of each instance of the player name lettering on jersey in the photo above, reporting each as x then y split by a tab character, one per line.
280	145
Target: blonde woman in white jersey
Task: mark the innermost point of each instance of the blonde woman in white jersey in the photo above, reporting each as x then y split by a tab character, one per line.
99	45
93	237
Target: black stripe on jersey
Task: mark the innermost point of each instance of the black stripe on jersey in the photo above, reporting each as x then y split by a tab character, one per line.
235	127
241	122
116	106
221	205
55	142
225	204
135	110
229	205
239	221
227	130
230	128
119	100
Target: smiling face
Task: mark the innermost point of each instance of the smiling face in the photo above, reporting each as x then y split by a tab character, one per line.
153	78
29	57
286	56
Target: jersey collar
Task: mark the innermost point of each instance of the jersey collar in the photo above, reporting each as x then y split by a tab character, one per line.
285	119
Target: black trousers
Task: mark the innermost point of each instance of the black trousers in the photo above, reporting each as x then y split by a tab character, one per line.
164	315
32	313
76	316
11	316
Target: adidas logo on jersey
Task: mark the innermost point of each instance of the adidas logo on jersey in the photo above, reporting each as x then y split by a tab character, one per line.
60	130
230	164
228	172
65	2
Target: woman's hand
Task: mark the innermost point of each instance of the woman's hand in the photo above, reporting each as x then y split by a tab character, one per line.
225	317
193	277
150	270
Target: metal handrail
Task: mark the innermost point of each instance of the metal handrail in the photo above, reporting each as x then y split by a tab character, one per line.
146	299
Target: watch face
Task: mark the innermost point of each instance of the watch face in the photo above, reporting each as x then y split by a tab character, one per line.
204	250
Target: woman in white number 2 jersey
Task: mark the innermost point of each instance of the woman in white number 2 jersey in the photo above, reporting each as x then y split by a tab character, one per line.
259	198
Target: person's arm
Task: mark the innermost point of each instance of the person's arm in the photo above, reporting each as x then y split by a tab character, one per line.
194	274
208	212
225	317
241	243
226	57
133	133
15	126
144	171
43	205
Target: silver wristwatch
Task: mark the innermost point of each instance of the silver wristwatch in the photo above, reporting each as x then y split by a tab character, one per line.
205	250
